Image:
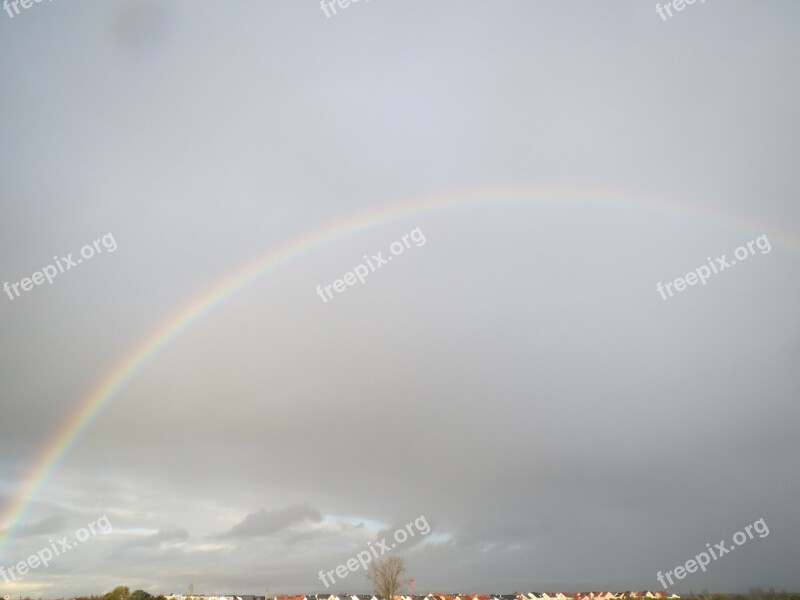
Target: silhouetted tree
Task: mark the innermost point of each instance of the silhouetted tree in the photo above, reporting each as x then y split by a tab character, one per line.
121	592
386	576
140	595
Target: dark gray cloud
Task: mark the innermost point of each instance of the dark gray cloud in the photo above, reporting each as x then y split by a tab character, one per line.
46	527
267	522
161	537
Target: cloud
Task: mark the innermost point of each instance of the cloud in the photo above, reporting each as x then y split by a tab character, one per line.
48	526
160	537
268	522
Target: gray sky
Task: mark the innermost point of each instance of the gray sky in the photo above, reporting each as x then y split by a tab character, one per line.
517	379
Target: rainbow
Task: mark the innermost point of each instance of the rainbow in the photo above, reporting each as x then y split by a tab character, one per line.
54	453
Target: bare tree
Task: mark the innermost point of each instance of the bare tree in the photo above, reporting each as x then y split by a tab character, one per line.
386	576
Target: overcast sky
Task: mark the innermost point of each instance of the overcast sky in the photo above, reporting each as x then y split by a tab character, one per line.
517	379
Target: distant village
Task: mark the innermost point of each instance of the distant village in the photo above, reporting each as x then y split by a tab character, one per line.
643	595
